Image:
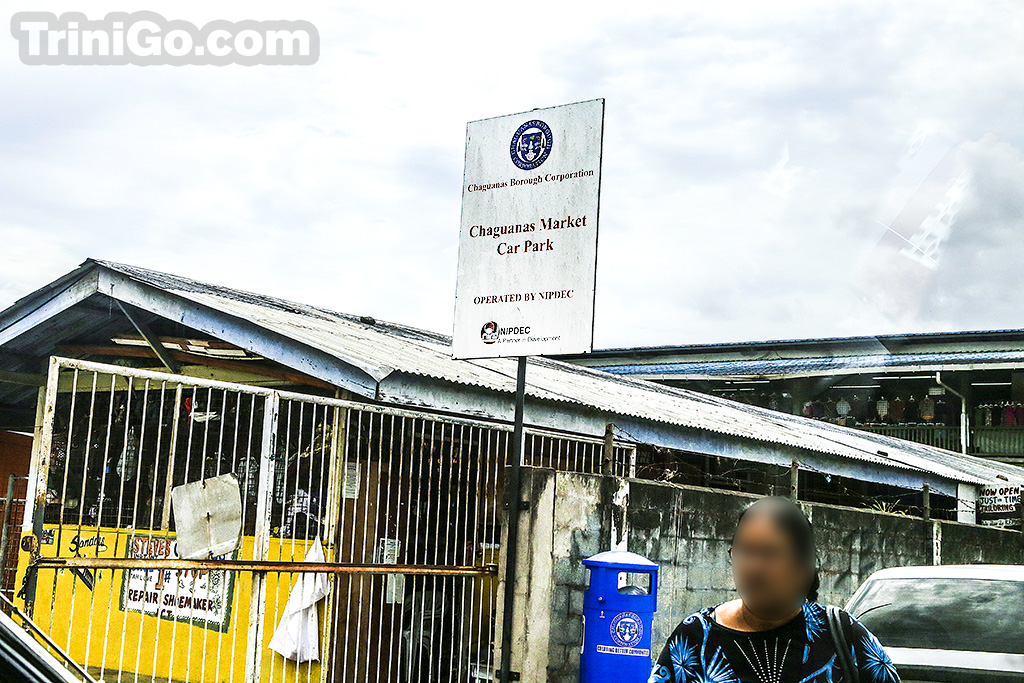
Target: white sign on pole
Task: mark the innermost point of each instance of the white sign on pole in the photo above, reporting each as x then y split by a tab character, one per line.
528	242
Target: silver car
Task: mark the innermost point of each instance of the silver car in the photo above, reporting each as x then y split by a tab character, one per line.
948	623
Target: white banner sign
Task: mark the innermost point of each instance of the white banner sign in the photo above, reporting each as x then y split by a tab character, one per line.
999	505
528	243
201	597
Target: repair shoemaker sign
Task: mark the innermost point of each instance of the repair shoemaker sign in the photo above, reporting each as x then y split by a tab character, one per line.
200	597
528	242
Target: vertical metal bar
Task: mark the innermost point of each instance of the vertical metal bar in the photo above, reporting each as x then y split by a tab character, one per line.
387	534
344	442
46	408
165	521
398	524
367	546
446	525
167	487
463	557
8	502
352	543
410	549
35	496
307	542
285	503
323	495
965	424
261	542
436	559
375	540
99	507
457	554
329	530
152	515
249	464
280	489
206	657
188	475
117	522
479	539
139	447
365	596
82	502
426	550
498	470
68	444
513	496
309	506
414	519
82	496
156	460
484	496
220	458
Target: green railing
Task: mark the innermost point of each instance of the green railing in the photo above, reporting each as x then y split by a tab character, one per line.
994	442
940	436
997	441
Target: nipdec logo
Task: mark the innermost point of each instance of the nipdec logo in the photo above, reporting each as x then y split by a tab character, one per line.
489	332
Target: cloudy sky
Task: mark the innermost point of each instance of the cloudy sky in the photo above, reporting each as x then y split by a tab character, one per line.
756	155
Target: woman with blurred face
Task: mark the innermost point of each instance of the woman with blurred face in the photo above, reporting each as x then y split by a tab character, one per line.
775	632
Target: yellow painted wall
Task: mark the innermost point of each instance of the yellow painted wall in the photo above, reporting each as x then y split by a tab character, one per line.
92	627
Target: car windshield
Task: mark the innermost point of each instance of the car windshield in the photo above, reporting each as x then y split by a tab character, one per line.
946	614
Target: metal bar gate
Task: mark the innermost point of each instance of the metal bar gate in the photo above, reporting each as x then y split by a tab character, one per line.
405	507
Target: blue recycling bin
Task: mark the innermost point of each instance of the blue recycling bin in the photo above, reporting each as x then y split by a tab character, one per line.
618	611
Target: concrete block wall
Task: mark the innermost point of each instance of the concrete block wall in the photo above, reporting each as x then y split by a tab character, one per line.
688	530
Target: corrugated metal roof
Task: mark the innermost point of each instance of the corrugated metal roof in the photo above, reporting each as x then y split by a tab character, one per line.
381	349
774	367
883	340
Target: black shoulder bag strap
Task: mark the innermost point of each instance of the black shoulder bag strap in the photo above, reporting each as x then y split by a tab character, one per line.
835	627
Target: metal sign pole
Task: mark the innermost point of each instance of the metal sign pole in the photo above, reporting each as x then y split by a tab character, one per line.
527	266
514	504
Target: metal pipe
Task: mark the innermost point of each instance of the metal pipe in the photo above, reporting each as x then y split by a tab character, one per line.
965	425
608	465
513	496
794	481
260	566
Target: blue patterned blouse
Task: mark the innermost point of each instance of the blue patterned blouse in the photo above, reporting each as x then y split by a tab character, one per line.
701	650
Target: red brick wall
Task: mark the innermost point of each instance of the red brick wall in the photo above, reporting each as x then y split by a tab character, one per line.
15	455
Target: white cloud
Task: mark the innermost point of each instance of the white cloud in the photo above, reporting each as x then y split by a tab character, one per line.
339	184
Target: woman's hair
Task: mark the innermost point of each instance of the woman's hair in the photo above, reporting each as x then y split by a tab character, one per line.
790	518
